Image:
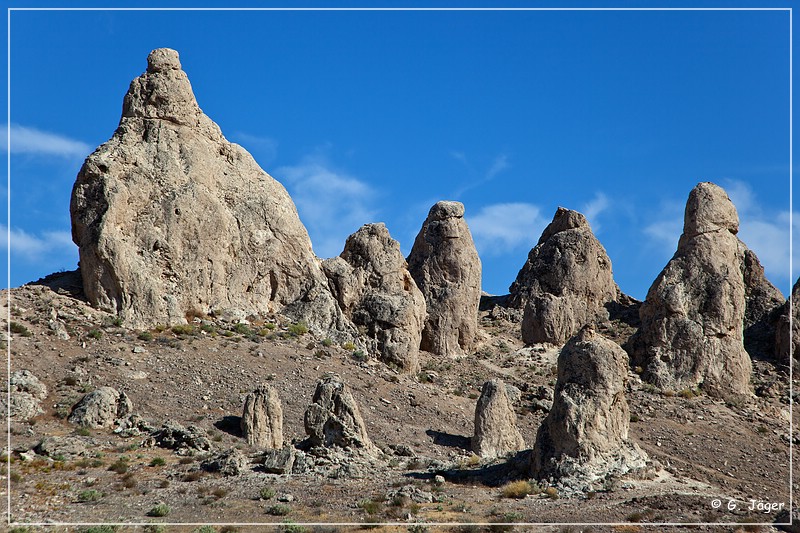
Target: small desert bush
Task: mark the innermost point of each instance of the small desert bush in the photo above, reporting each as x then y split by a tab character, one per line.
516	489
145	336
20	329
120	466
89	495
279	510
95	334
242	329
158	461
266	493
184	329
298	329
205	529
100	529
161	509
349	346
327	343
551	492
371	506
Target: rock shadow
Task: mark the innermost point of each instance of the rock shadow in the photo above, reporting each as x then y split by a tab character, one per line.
495	474
69	283
231	425
451	441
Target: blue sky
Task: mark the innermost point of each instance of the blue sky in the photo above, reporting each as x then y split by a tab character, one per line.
374	116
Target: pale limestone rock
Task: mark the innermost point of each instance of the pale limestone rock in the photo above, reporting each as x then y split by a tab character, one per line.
584	437
101	408
262	418
371	282
566	282
496	432
445	265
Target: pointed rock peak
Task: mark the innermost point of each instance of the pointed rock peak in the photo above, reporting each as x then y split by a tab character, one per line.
163	59
563	220
164	92
709	209
446	209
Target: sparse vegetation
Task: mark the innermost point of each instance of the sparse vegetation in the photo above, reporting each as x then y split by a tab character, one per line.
184	329
158	461
551	492
120	466
298	329
95	334
267	493
349	346
20	329
161	509
516	489
145	336
279	509
90	495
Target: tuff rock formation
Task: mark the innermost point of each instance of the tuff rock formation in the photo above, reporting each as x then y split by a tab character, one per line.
27	393
496	432
371	282
231	462
170	218
565	283
333	418
785	351
694	316
446	267
762	311
101	408
584	437
262	418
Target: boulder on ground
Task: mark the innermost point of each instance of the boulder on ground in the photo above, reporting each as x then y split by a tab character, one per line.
27	392
584	437
333	419
566	282
496	432
370	281
184	440
100	408
445	265
231	462
262	418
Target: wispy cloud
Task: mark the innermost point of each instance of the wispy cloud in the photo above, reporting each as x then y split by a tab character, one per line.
26	140
501	228
499	165
33	248
264	149
594	208
332	204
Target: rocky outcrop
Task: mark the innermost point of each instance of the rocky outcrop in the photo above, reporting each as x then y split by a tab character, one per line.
584	437
693	319
231	462
184	440
101	408
333	418
496	432
172	219
565	283
27	393
262	418
371	282
445	265
763	303
787	350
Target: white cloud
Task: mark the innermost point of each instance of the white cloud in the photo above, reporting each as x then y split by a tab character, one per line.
499	164
263	148
500	228
593	208
32	248
26	140
332	204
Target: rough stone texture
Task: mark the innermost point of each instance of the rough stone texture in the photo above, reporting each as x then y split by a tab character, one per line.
496	430
100	408
228	463
27	392
262	418
446	267
371	282
692	321
763	303
184	440
68	446
565	283
783	351
585	435
23	381
333	419
279	461
170	218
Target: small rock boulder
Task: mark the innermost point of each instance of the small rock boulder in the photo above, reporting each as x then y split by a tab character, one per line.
262	418
228	463
100	408
279	461
496	432
371	282
565	283
184	440
445	265
333	419
584	437
27	392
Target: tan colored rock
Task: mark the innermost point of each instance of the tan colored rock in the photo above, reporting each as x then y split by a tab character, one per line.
262	418
565	283
333	418
171	219
693	317
584	437
371	282
445	266
100	408
786	349
496	432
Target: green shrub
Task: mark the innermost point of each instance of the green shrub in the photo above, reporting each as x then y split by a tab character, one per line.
279	509
205	529
145	336
266	493
120	466
100	529
327	343
161	509
184	329
20	329
298	329
89	495
349	346
242	329
95	333
158	461
291	527
360	356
